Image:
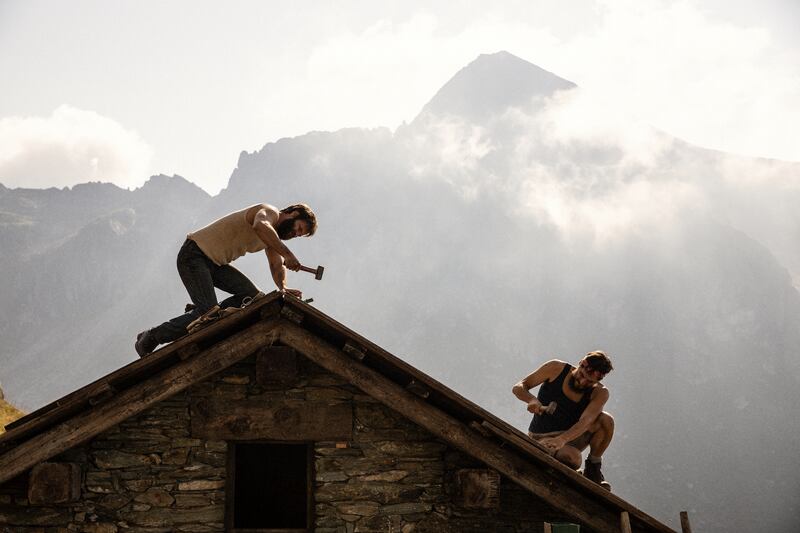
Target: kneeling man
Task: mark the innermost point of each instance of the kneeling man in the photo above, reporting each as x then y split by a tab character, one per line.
578	420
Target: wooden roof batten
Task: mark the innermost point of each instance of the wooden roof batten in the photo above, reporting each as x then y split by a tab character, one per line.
286	320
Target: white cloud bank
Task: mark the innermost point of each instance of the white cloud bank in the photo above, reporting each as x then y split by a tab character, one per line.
676	65
71	146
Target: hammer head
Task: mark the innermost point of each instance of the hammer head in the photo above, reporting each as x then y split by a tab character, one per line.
318	274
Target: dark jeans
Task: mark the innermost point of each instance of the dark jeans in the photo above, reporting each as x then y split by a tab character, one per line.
200	275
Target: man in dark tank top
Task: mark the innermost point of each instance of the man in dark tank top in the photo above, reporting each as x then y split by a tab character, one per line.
575	419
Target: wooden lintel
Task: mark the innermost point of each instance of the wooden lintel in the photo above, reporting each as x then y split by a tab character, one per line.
297	420
597	515
134	400
420	389
354	351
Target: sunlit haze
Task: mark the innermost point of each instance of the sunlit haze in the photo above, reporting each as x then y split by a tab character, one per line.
117	91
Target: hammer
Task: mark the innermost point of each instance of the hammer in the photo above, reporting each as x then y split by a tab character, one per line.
316	271
549	409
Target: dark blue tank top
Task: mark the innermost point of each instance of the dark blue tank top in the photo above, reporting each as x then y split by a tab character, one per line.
567	413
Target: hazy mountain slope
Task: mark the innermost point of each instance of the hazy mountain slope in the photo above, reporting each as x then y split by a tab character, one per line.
510	223
96	266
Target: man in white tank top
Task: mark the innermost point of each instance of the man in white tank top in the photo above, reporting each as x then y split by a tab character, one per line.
205	257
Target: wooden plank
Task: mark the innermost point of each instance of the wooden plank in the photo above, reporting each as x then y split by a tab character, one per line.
686	527
625	522
480	429
547	528
561	496
418	388
53	483
106	392
188	351
354	351
135	400
291	420
526	445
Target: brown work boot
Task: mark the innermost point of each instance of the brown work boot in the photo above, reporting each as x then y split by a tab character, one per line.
592	472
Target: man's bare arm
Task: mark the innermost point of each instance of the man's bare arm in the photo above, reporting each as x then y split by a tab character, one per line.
264	220
546	372
590	414
276	268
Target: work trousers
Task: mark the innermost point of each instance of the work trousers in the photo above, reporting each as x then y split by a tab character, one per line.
200	275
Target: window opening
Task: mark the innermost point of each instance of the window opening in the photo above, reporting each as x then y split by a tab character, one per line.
271	486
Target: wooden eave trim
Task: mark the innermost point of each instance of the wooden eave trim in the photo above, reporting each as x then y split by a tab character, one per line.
134	400
574	502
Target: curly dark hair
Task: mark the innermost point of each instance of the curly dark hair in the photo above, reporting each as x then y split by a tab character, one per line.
304	213
598	361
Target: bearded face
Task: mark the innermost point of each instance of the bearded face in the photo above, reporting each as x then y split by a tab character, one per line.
573	384
286	229
583	378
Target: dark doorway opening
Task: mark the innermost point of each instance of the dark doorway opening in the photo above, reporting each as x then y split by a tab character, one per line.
270	486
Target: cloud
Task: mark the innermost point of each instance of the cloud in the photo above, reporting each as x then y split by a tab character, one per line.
676	64
572	162
69	147
686	71
384	74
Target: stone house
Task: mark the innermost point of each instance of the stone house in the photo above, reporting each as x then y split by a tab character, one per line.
277	419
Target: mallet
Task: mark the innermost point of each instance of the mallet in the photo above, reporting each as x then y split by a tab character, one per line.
316	271
549	409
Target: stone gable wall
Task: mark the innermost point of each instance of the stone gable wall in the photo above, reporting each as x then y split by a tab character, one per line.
150	474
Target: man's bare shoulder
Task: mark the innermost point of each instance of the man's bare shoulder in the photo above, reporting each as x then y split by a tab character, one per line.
552	368
270	212
600	393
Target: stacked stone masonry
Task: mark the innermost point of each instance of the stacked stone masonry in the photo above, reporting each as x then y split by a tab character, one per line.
150	474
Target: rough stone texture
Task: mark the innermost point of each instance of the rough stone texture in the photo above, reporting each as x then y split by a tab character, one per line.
150	474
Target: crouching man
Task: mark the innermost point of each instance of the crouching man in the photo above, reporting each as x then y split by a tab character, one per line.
577	420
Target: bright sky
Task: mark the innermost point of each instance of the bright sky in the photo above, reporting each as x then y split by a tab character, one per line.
119	90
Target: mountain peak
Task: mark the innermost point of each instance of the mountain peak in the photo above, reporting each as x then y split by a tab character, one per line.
490	84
